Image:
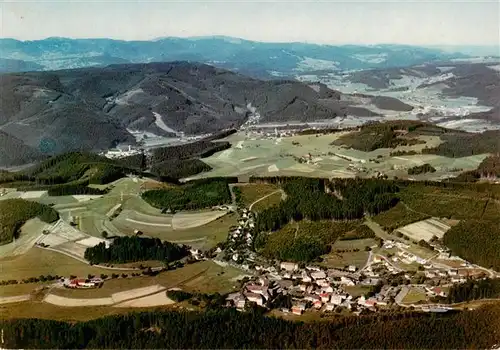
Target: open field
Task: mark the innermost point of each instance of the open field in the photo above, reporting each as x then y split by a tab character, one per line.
185	220
267	202
201	229
30	232
64	238
153	300
38	309
270	156
126	298
341	259
425	230
252	192
19	289
414	295
38	262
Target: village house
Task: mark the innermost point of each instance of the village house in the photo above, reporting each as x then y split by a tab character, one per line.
336	299
254	298
325	297
289	266
329	307
318	275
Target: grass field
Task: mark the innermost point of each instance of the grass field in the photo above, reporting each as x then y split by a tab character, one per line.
267	202
19	289
201	237
341	259
38	262
414	296
252	192
38	309
270	157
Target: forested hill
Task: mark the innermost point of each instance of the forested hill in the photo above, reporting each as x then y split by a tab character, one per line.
230	329
94	108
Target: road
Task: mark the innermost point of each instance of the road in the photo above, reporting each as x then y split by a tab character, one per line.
267	195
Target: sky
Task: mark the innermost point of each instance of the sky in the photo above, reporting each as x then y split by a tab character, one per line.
432	22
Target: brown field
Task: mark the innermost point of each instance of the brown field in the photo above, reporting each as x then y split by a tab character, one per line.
38	309
252	192
38	262
19	289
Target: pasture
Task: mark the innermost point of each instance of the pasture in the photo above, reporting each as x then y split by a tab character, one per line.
38	262
269	156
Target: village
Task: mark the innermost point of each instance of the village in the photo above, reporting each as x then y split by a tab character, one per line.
289	287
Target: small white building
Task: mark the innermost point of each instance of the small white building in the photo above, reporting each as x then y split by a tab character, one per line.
289	266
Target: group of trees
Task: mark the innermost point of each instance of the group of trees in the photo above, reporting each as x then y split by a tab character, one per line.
458	145
197	149
196	194
376	135
477	241
179	168
228	328
474	289
15	212
304	241
489	167
131	249
307	198
74	169
421	169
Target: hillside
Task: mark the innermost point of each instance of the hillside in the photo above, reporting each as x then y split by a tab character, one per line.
248	57
94	108
15	212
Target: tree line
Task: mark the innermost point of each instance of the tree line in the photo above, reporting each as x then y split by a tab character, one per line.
228	328
132	249
474	289
319	199
477	241
195	194
15	212
421	169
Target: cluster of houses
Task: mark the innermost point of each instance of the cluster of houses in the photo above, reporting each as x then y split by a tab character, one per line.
309	288
385	277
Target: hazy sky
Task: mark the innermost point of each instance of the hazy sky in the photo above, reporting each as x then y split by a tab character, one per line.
403	21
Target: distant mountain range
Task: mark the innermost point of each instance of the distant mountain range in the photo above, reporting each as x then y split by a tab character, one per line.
94	108
252	58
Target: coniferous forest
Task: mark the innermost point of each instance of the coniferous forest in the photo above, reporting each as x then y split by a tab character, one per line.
320	199
131	249
229	329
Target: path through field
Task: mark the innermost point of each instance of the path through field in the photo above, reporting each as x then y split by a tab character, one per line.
283	195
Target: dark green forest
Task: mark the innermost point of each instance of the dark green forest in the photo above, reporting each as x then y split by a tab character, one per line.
474	289
131	249
320	199
462	144
15	212
477	241
195	194
230	329
421	169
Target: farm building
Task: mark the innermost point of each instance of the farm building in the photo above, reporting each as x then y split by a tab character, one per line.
85	283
